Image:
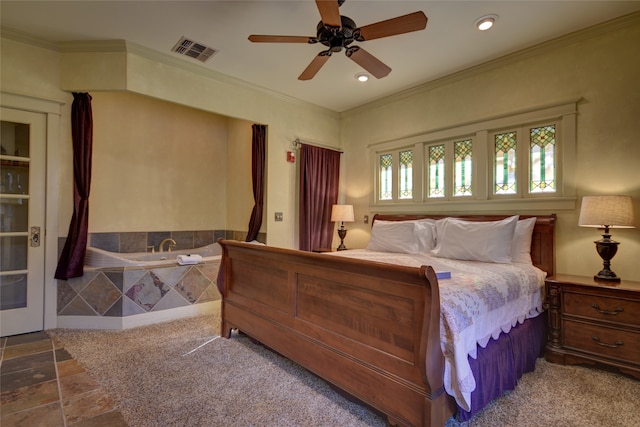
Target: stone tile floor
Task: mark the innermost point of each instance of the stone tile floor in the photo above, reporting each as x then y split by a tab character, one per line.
41	385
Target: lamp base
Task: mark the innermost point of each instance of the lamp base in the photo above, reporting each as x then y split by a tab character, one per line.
606	276
342	233
607	249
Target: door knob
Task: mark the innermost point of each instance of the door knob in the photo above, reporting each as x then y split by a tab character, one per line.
35	237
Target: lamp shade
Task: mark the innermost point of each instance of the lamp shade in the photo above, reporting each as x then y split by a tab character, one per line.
609	211
342	213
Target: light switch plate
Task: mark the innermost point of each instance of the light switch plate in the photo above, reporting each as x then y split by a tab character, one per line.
278	216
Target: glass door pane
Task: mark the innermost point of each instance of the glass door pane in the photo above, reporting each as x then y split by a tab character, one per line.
13	291
14	214
23	147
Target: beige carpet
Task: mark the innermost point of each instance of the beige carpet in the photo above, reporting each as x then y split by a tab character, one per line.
180	373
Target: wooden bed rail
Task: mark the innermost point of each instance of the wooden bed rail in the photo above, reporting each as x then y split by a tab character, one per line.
369	328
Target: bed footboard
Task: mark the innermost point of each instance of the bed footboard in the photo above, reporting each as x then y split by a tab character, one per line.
371	329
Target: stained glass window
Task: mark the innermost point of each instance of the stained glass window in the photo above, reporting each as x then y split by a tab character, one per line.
386	163
520	158
406	174
505	163
462	165
542	157
436	171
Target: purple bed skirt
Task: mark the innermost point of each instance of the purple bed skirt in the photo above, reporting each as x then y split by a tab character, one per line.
502	362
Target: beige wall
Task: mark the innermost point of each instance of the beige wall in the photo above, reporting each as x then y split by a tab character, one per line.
156	166
602	69
163	77
239	178
42	71
35	71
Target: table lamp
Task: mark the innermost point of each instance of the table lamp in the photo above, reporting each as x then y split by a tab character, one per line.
605	212
342	213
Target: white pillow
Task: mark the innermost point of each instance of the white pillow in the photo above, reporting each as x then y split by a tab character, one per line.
426	235
521	244
476	240
439	225
424	232
394	236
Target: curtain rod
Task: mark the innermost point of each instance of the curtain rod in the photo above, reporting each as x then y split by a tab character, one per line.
297	143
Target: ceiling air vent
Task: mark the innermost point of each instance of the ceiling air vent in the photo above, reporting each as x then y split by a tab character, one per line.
193	49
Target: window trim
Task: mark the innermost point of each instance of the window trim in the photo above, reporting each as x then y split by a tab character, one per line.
483	199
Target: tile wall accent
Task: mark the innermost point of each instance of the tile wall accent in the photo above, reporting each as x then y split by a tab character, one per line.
141	241
126	291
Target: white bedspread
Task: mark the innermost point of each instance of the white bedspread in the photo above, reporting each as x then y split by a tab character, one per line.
477	303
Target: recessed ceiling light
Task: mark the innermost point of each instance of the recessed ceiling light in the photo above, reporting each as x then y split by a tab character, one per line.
485	22
362	77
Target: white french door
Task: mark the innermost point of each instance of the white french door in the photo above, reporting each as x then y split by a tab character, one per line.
22	220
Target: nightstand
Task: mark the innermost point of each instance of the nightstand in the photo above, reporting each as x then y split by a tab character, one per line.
594	322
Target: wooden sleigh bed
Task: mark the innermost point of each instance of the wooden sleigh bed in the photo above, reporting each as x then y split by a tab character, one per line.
369	328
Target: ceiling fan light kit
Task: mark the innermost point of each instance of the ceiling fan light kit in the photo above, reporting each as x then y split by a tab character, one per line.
338	32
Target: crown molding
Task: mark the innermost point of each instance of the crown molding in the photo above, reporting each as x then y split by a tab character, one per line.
568	39
179	63
22	37
165	58
124	46
86	46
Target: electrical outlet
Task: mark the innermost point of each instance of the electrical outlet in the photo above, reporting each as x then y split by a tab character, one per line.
366	219
278	217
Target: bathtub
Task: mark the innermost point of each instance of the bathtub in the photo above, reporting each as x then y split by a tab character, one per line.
100	258
124	290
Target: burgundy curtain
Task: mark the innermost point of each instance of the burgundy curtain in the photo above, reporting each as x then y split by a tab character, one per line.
319	177
258	144
71	260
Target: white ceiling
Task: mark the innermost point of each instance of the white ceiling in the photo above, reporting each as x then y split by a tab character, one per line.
450	42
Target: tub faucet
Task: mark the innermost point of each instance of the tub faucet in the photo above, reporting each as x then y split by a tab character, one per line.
172	244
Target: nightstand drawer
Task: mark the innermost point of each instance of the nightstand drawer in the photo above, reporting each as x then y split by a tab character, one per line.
608	342
603	308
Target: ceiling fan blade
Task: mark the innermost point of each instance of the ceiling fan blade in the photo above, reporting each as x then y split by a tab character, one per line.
402	24
315	65
329	12
282	39
368	62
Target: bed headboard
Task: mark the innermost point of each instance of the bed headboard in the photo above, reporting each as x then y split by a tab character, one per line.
542	241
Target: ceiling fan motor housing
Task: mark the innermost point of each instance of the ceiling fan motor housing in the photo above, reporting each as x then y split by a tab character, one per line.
336	38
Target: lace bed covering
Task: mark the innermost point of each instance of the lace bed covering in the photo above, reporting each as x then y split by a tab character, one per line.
480	301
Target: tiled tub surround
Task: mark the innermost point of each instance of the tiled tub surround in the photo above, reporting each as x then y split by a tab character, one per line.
142	241
123	297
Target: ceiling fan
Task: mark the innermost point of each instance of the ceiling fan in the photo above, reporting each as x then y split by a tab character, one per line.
337	32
